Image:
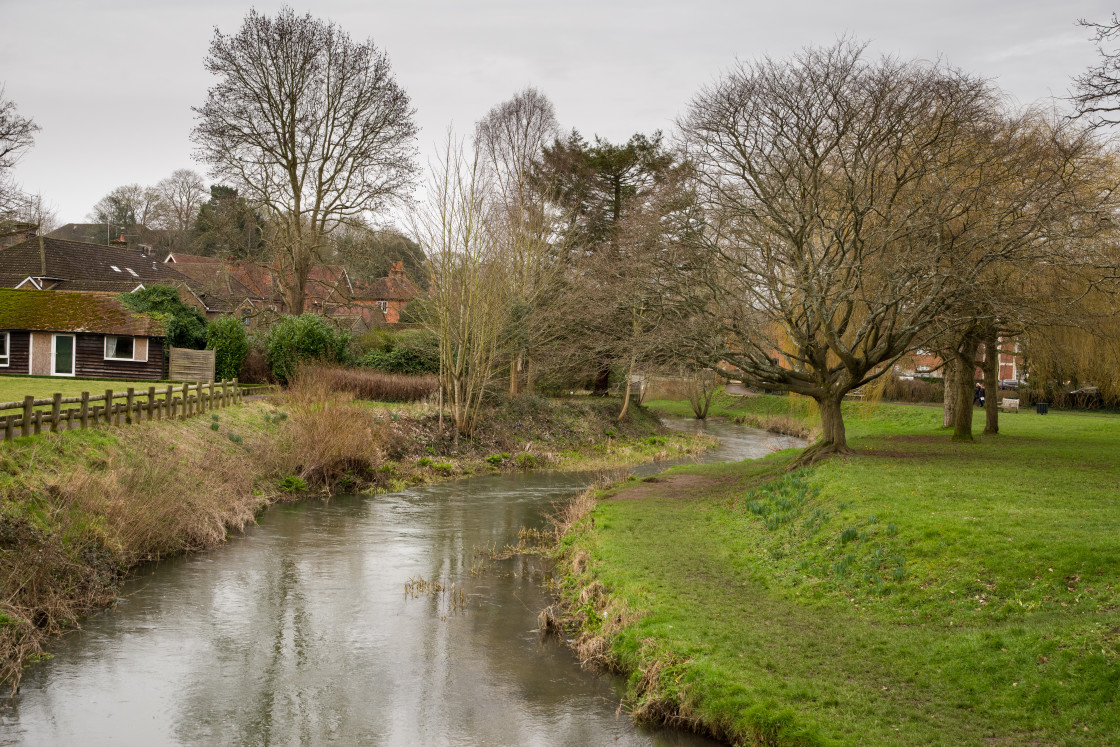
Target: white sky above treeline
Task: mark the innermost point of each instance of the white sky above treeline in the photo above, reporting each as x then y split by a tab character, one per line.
112	82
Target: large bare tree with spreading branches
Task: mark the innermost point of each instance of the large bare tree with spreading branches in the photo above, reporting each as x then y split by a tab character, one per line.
846	204
308	125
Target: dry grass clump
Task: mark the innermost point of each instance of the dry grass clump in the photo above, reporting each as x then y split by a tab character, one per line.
151	499
78	510
365	383
785	425
327	435
912	390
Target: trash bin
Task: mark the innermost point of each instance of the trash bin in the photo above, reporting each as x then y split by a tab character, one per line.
1042	407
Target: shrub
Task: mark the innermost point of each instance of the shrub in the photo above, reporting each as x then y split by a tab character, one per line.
186	325
407	352
255	369
307	338
226	336
526	461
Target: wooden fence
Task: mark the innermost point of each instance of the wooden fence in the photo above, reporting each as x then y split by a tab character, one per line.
172	402
191	365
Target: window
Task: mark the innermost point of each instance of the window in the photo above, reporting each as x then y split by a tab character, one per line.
115	268
132	272
119	348
5	341
384	306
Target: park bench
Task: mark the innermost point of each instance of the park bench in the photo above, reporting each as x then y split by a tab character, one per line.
856	393
1008	403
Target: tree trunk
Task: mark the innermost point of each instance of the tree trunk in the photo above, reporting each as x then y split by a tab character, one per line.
950	370
966	386
991	382
528	372
833	439
514	374
626	391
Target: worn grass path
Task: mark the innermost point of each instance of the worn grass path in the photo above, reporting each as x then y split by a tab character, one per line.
921	592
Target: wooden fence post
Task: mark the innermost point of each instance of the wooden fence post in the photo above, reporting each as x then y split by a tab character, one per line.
186	396
85	410
170	402
28	406
38	422
236	392
108	407
9	427
56	411
210	396
151	403
128	411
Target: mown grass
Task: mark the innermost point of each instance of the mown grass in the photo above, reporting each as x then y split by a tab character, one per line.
15	388
920	592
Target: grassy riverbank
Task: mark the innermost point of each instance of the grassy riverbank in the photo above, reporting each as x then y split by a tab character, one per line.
79	510
919	592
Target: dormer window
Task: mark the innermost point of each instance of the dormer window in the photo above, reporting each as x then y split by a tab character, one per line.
115	268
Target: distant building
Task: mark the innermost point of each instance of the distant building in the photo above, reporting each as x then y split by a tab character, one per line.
390	294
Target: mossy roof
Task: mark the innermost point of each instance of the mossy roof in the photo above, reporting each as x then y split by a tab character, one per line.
65	311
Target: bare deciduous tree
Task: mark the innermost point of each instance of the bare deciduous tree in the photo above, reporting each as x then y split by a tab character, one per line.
1096	94
510	139
130	210
181	196
17	133
468	301
845	214
310	126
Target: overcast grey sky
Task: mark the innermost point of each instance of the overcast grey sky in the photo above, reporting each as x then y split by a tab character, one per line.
112	82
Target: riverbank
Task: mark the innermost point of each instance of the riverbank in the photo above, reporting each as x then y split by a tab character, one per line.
79	511
919	592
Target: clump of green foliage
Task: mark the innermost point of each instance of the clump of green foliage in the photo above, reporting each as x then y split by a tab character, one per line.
293	484
227	337
186	325
307	338
410	351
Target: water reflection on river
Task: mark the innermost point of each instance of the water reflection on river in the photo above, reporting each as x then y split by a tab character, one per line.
300	633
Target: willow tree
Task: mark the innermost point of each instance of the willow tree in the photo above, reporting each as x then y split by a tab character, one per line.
835	187
1032	245
310	127
468	302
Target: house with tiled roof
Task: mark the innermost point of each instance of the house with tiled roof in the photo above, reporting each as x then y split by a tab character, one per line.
390	294
86	334
59	264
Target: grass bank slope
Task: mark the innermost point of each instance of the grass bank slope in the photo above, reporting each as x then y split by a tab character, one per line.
919	592
79	510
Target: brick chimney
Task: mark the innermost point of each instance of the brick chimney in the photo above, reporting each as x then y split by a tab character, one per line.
396	271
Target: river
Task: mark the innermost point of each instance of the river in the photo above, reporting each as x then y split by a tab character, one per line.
300	632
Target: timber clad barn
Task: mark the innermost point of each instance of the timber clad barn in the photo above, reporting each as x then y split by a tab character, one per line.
78	334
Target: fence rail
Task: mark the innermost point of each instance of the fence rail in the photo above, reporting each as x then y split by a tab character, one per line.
170	402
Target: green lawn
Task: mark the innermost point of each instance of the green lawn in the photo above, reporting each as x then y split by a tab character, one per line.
920	592
15	388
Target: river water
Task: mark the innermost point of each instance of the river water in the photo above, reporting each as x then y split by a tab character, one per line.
300	632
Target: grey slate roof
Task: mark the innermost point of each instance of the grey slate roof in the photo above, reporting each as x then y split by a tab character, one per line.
76	265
